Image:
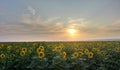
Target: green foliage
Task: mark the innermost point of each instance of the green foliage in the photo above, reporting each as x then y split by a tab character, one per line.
100	55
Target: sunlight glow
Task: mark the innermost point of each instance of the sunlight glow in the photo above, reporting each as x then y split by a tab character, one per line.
72	31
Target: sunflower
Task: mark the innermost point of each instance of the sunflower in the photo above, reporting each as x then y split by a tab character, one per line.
2	56
90	55
22	53
41	54
81	54
64	54
75	55
9	47
95	49
81	49
57	49
86	51
24	49
39	50
116	49
42	48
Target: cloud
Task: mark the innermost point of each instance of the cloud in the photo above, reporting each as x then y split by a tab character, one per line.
33	25
51	25
116	24
77	22
113	27
31	10
40	23
55	25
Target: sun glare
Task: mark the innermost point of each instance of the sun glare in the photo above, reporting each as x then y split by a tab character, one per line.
72	31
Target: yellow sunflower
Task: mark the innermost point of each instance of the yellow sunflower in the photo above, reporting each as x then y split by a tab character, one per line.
64	54
75	55
39	50
22	53
41	54
9	47
86	51
95	49
81	54
90	55
116	49
42	48
24	49
57	49
2	56
81	50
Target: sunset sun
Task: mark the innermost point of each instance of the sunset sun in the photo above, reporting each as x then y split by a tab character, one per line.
72	31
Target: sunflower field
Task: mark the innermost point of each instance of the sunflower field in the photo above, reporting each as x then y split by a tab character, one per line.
83	55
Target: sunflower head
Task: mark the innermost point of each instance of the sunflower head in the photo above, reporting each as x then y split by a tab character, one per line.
22	53
116	49
81	54
9	47
90	55
95	49
42	48
2	56
75	55
64	54
39	50
24	49
86	51
57	49
41	54
81	50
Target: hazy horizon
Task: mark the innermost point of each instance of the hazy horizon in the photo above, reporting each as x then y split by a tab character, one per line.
57	20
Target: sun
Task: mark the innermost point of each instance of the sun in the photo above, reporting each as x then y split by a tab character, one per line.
72	31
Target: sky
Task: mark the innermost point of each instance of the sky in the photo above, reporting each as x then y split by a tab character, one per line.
51	20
